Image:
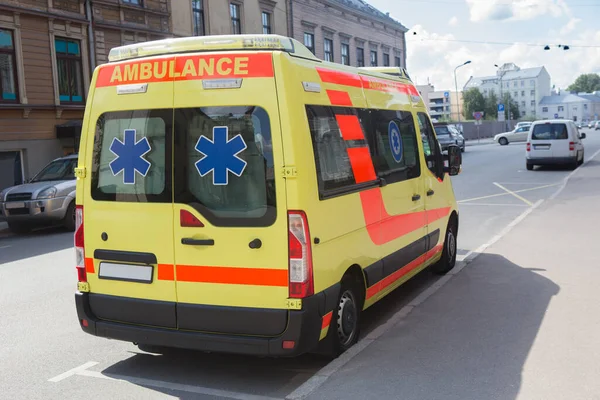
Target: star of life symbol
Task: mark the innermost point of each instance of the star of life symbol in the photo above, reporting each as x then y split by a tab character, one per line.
130	156
221	155
395	141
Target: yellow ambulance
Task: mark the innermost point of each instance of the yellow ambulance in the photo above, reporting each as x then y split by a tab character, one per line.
237	194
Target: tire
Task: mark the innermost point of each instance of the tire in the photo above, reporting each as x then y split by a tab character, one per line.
344	329
530	167
582	159
464	148
503	141
69	219
448	260
19	228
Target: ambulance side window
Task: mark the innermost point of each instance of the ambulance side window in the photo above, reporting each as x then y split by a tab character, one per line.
395	158
224	164
431	147
334	171
132	157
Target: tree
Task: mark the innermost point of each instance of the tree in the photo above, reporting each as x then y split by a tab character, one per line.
473	101
491	106
585	83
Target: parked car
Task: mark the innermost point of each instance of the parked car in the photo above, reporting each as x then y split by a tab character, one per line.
47	199
592	123
524	123
448	134
517	135
552	142
597	125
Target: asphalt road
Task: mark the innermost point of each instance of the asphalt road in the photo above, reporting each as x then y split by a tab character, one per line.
45	355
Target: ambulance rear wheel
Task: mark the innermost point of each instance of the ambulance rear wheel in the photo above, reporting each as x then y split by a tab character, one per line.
448	260
344	328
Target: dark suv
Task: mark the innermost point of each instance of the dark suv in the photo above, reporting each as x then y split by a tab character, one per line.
448	134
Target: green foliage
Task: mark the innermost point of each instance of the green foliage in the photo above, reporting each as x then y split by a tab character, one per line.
585	83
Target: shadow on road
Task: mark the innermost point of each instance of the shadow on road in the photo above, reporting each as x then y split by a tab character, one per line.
468	341
36	243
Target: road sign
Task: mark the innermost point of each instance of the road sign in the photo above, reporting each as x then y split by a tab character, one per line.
478	115
500	108
446	94
555	115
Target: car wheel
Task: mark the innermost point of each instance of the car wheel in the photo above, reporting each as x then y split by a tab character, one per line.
530	167
448	260
19	228
69	219
582	158
503	141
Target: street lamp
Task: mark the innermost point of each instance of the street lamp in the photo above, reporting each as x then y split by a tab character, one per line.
456	88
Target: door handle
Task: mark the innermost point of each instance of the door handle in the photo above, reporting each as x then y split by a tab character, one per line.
416	197
198	242
430	192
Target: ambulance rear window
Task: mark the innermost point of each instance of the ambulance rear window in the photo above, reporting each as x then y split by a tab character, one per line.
224	164
132	156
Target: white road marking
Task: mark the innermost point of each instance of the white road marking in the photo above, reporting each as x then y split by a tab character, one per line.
523	199
73	371
493	204
506	194
564	182
175	386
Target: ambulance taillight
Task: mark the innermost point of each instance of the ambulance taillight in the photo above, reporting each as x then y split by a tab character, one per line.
79	244
301	282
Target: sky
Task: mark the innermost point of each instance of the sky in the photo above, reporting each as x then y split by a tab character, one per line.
441	35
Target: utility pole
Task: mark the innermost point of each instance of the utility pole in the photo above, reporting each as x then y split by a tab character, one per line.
456	88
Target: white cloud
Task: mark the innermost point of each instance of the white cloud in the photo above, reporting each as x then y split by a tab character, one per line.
431	56
453	21
500	10
570	26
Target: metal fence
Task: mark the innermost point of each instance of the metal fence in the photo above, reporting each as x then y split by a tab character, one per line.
487	129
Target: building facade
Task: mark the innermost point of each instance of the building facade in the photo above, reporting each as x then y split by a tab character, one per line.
577	107
444	105
48	51
220	17
526	87
349	32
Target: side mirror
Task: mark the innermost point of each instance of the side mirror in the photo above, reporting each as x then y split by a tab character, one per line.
582	135
453	156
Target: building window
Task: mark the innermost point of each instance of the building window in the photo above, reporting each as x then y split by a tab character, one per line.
516	94
532	103
523	93
397	61
515	84
561	109
266	23
198	17
345	54
134	2
523	113
532	82
309	41
8	71
373	58
533	92
360	57
522	83
585	107
70	71
236	23
522	104
328	49
386	60
545	109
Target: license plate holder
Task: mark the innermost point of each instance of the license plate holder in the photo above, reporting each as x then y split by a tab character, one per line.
14	204
138	273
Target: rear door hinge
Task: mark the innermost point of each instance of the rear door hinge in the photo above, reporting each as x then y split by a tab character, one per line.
80	172
289	172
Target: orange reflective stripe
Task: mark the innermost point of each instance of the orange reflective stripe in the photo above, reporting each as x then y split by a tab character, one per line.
391	279
338	98
339	77
166	272
89	266
181	68
326	320
361	163
232	275
388	86
350	127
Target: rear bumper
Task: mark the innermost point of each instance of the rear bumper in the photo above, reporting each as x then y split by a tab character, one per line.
552	160
303	327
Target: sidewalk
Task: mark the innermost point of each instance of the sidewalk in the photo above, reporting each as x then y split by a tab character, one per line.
521	321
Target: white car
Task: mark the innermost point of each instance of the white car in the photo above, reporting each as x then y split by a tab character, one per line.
517	135
554	142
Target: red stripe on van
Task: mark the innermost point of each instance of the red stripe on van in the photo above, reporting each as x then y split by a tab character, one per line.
391	279
166	272
339	77
362	165
338	98
232	275
89	266
350	127
326	320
